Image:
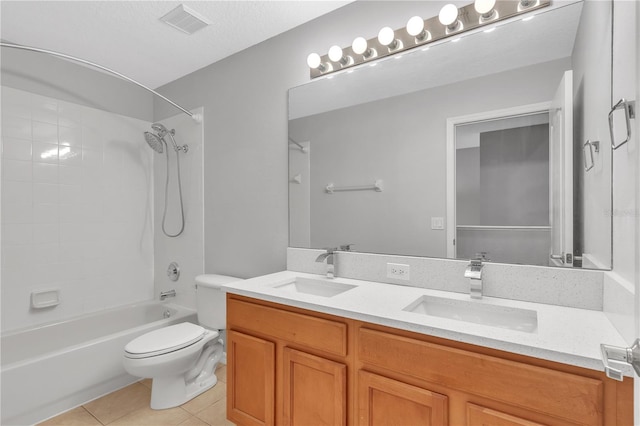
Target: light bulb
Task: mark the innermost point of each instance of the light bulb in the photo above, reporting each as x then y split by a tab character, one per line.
484	7
415	26
386	36
448	15
335	53
359	45
313	60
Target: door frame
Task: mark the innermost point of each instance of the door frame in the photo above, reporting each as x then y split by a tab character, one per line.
452	122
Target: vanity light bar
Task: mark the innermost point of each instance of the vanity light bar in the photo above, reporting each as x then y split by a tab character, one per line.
388	42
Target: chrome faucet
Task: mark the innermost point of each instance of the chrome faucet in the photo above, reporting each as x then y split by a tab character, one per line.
165	294
474	272
328	255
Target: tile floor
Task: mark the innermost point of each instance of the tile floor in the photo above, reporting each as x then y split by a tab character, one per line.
130	406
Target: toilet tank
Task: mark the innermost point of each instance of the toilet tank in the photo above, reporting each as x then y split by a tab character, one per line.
211	301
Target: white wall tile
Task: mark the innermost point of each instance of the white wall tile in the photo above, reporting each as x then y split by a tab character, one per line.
45	132
17	234
45	193
16	128
45	173
44	109
16	213
46	233
47	253
45	152
46	213
70	155
16	149
69	175
16	193
56	229
70	194
70	136
16	170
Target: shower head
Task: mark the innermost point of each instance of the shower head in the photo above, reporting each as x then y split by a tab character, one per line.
160	129
154	141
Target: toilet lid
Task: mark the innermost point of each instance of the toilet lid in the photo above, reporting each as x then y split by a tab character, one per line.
164	340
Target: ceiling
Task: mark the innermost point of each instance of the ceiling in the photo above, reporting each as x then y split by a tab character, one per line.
128	36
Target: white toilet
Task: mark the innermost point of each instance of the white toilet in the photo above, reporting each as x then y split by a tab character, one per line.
181	359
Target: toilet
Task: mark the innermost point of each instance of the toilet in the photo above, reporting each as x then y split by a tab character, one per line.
181	359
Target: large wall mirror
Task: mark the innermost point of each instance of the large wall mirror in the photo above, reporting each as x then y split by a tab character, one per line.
470	148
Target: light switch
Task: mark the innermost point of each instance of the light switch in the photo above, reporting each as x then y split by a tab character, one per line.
437	223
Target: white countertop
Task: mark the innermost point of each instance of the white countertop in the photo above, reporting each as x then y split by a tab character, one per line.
566	335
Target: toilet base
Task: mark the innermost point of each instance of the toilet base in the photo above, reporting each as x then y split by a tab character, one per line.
169	392
174	390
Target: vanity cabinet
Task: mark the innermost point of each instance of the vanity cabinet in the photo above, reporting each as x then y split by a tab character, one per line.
291	366
299	371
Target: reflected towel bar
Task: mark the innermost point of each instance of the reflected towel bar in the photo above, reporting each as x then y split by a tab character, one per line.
377	186
629	113
302	148
593	145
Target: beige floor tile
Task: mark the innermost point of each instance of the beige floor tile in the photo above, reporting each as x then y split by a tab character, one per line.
119	403
216	414
193	421
148	417
221	373
76	417
146	382
204	400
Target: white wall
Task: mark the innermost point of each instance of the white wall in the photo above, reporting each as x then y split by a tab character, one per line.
186	249
76	208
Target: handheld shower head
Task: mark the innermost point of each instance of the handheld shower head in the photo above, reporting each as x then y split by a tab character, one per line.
154	142
158	127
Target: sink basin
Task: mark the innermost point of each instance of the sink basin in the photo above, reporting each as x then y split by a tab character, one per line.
476	312
324	288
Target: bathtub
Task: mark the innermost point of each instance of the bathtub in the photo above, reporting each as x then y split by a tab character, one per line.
54	367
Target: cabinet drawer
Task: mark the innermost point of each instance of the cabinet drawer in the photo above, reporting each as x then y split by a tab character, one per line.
317	333
567	396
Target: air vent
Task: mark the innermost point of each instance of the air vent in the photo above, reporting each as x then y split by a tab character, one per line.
185	19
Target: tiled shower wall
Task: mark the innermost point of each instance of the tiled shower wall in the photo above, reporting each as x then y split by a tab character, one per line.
77	208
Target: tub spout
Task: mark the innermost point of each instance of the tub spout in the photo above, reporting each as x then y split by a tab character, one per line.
165	294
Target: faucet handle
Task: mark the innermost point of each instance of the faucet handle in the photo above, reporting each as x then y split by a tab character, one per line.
346	247
330	250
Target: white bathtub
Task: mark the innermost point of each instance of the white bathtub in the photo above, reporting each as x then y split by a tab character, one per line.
51	368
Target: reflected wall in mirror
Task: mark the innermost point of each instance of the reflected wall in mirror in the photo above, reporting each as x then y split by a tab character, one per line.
406	123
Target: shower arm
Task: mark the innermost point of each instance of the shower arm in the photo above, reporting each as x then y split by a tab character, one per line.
196	117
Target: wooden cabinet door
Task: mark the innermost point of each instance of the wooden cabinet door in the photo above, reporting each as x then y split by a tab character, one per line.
481	416
251	389
315	390
383	401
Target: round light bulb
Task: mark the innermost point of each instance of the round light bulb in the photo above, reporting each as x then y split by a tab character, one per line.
386	36
359	45
335	53
415	26
448	14
484	6
313	60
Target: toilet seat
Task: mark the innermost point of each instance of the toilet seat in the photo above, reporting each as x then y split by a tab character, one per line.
164	340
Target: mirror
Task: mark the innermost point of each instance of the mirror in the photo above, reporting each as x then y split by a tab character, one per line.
470	148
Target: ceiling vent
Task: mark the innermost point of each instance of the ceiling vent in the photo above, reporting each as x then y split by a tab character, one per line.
185	19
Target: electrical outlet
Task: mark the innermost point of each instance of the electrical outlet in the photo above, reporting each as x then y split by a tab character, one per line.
398	271
437	223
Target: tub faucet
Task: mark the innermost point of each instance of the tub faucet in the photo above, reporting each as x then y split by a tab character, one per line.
165	294
474	272
328	255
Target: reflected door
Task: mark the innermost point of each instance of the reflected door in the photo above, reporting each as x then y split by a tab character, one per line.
561	171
